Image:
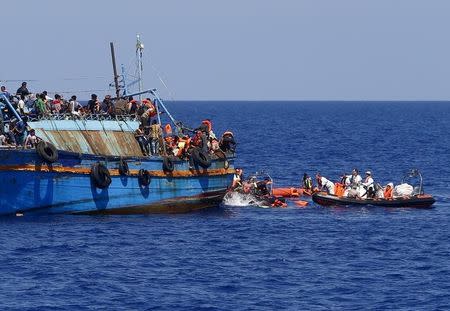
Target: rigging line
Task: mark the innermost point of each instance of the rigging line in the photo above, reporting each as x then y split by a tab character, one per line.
162	81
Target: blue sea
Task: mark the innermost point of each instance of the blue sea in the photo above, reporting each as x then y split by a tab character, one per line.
249	258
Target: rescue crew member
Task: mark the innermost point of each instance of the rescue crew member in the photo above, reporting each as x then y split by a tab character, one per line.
369	185
322	182
355	179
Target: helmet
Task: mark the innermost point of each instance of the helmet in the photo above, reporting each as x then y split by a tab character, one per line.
368	173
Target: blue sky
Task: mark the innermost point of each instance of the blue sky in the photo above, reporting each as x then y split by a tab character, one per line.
233	50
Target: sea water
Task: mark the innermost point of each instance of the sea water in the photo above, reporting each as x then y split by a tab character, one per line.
248	258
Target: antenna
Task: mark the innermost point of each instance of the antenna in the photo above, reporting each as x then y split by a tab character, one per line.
139	64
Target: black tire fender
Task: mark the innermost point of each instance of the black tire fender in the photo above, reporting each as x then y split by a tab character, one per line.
168	165
143	177
47	151
123	168
202	158
100	176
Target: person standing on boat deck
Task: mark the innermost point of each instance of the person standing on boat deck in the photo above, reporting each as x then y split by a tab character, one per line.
5	92
31	140
107	105
369	185
322	182
142	140
93	103
57	104
22	90
41	108
155	136
21	108
74	106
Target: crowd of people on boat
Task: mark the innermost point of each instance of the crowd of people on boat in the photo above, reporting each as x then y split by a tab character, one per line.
151	137
354	186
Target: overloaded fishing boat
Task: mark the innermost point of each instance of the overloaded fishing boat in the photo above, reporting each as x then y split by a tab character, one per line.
415	198
94	164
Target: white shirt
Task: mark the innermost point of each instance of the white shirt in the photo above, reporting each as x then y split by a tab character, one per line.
368	181
326	183
356	180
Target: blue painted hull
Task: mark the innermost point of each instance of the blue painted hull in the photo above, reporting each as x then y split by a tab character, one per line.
30	185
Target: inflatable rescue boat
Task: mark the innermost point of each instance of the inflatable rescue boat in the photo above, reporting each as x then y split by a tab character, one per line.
416	198
416	201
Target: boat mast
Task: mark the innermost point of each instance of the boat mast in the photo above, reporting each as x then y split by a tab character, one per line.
140	67
116	81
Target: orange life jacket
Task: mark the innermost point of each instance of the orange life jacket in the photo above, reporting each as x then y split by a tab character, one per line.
387	193
168	129
208	124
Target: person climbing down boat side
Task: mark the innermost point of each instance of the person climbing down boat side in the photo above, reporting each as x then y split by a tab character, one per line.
227	142
307	184
322	182
237	179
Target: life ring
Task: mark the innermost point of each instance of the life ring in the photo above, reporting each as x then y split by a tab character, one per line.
123	168
202	158
47	151
168	165
143	177
100	176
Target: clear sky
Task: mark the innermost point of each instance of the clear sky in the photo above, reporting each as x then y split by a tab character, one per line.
234	49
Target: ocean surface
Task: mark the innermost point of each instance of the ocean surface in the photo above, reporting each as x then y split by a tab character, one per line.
249	258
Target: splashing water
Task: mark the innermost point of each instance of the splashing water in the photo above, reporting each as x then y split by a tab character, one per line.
238	199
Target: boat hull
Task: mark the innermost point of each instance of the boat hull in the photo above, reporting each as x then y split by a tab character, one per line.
32	186
423	201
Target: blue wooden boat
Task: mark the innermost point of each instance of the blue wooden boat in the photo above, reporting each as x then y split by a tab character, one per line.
95	166
31	184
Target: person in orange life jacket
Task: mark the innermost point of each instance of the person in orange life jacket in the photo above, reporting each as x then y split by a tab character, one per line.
132	106
387	193
183	146
322	182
